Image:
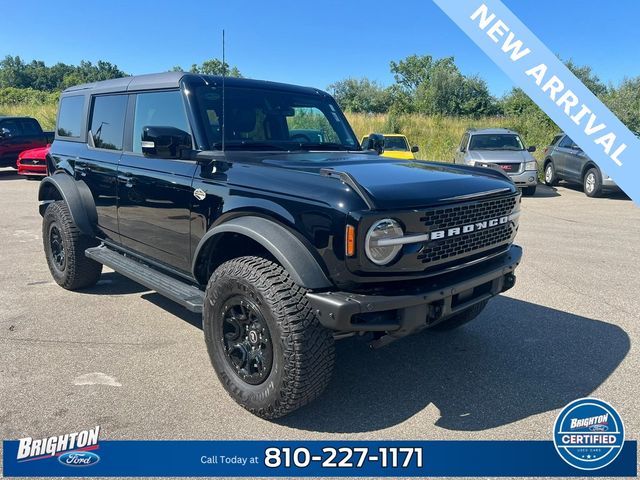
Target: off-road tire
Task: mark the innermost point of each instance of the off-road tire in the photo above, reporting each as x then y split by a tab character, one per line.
529	191
77	271
550	176
302	349
594	190
461	318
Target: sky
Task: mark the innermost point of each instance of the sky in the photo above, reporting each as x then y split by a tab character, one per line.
309	43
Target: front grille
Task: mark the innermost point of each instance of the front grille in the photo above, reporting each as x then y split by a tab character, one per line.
436	251
509	167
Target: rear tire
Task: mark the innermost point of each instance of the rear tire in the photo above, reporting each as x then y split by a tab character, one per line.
550	177
592	183
461	318
64	247
265	343
529	191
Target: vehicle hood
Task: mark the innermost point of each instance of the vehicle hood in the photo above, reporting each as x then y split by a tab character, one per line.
395	184
500	156
39	153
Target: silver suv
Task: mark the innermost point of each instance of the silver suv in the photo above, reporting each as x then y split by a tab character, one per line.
503	148
564	160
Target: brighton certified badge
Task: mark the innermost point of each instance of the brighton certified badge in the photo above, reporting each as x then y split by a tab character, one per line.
588	434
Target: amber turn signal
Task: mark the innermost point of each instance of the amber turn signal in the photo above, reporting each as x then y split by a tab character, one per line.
350	241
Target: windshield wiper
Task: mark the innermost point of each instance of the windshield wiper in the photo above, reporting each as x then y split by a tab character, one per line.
322	146
249	146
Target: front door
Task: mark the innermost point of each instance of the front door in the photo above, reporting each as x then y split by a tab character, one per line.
154	194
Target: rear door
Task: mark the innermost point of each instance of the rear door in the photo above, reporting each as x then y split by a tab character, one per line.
97	166
154	194
575	160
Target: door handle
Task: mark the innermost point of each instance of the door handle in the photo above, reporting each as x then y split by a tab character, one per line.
128	180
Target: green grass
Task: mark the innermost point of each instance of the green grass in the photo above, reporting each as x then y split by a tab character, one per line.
436	136
44	113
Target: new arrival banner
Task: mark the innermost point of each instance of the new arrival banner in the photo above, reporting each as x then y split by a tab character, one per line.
549	83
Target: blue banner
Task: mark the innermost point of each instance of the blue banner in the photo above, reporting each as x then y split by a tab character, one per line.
169	458
552	86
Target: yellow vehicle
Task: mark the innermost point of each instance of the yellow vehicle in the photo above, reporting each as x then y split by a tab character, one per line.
396	146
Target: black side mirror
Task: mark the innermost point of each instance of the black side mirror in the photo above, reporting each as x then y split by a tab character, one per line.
531	149
415	149
376	142
165	142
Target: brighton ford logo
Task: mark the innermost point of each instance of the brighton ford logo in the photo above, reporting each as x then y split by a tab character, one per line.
78	459
70	448
588	434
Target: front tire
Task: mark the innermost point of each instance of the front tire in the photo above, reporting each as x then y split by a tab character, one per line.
461	318
64	247
592	183
550	177
265	343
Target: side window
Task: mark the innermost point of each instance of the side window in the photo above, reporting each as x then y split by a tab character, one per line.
107	121
12	126
70	116
566	142
464	142
30	127
158	109
556	139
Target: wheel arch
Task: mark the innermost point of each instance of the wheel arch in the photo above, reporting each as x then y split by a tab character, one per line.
75	194
588	166
250	235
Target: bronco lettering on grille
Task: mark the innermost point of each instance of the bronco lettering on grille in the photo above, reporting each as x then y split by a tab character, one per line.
471	227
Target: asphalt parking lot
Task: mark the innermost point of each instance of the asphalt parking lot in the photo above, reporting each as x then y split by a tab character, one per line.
132	362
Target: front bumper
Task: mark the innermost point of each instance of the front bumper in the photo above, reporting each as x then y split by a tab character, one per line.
406	310
528	178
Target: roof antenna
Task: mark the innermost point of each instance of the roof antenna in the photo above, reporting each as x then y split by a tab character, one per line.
224	72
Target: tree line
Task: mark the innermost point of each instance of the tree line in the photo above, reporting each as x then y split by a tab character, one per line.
422	85
429	86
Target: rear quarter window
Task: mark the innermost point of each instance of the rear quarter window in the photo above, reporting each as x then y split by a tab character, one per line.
70	116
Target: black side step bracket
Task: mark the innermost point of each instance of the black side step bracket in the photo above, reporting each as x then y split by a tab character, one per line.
189	296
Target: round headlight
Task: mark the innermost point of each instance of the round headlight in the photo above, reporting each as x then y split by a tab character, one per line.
377	251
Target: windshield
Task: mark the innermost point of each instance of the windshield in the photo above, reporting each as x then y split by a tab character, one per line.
266	119
397	144
499	141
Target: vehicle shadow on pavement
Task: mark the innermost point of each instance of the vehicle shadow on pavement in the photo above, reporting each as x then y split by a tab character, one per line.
544	191
516	360
613	195
112	283
9	174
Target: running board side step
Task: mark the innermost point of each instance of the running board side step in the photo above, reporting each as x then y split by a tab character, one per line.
189	296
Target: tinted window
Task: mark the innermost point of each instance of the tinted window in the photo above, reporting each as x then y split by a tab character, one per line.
13	126
159	109
463	143
30	127
397	144
107	121
273	119
555	139
566	142
497	141
70	116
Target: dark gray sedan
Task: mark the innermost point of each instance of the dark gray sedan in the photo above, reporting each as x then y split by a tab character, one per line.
564	160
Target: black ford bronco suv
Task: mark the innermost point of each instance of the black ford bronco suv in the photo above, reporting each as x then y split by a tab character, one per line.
213	193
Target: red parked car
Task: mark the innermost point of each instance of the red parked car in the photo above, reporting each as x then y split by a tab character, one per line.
33	163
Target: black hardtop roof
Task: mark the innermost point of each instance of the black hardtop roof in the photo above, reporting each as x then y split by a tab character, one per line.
156	81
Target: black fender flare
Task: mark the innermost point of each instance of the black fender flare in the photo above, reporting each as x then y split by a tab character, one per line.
286	247
76	195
